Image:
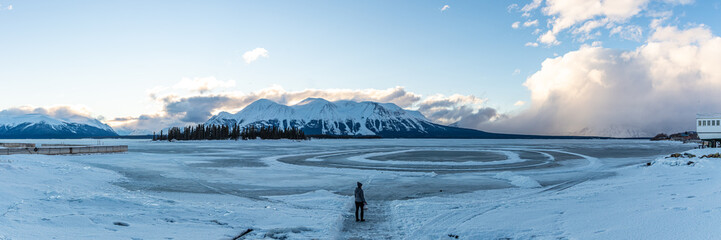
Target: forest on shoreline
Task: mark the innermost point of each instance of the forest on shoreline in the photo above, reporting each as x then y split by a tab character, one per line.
224	132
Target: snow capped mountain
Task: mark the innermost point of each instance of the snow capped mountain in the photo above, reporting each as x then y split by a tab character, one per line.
133	131
616	131
319	116
35	125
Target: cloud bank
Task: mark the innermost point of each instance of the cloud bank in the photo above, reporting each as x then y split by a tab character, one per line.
461	110
60	112
658	87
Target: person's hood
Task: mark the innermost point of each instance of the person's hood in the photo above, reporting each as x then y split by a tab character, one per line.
359	184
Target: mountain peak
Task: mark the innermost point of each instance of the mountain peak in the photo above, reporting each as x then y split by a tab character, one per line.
320	116
317	116
35	125
311	100
262	103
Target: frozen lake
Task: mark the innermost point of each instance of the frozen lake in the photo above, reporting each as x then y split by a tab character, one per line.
391	168
303	189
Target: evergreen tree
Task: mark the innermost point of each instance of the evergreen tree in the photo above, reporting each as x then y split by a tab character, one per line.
224	132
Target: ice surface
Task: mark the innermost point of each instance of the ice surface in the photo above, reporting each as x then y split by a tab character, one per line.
518	180
417	189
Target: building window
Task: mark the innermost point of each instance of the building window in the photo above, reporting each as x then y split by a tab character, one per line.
704	122
699	122
717	122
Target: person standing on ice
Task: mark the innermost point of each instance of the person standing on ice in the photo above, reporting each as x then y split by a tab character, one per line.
360	201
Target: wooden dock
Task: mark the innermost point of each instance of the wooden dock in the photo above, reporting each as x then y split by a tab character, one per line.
57	149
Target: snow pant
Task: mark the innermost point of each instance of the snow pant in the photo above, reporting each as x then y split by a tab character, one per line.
358	205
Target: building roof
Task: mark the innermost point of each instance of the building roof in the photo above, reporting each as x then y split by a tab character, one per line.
708	115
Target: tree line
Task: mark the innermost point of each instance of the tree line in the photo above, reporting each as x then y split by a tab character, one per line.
224	132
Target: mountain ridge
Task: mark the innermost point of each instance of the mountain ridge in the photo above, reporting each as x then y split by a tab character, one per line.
35	125
317	116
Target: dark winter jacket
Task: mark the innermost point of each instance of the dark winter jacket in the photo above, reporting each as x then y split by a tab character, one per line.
359	197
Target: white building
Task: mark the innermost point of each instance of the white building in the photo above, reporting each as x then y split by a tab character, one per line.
708	127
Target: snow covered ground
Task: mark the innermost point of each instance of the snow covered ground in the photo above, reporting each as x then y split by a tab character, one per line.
417	189
657	202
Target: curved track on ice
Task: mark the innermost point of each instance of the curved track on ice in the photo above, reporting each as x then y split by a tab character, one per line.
438	160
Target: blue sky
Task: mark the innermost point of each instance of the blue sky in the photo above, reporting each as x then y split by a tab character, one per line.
112	52
107	55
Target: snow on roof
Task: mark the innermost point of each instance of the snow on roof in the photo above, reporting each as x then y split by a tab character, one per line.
708	115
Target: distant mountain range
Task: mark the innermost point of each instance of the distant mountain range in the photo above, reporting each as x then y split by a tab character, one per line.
317	116
44	126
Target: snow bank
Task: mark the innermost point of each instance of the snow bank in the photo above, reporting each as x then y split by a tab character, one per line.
327	214
53	197
691	158
673	162
518	180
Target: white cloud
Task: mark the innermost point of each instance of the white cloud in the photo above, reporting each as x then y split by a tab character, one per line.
583	17
531	6
589	26
630	32
144	124
516	71
252	55
512	7
519	103
10	7
530	23
549	38
568	13
73	113
658	87
461	110
445	7
204	84
531	44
